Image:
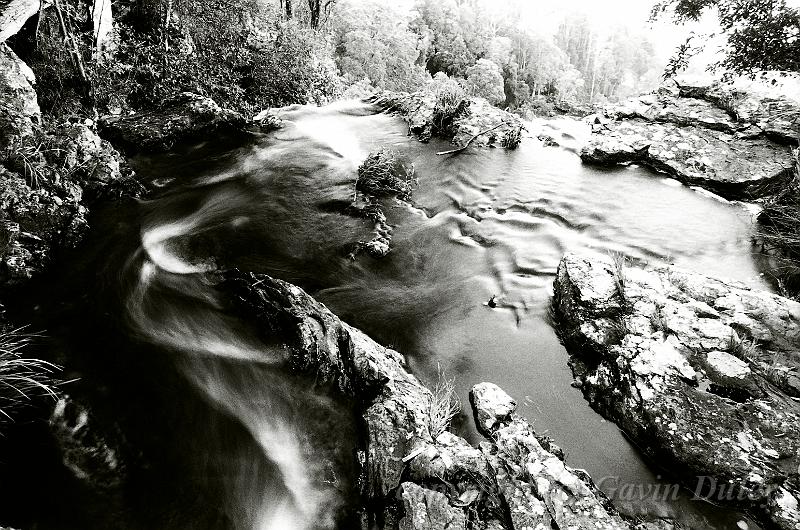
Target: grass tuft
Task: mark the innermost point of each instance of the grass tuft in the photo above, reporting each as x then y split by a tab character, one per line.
383	174
22	379
618	264
512	138
444	404
745	349
451	101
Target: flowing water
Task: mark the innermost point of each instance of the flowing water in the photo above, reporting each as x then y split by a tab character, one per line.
257	441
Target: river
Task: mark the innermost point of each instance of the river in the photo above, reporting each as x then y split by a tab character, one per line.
245	441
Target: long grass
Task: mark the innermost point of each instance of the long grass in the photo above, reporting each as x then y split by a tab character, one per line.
451	100
444	404
618	265
21	378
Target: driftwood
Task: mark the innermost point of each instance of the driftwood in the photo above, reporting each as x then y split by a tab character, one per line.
14	14
463	147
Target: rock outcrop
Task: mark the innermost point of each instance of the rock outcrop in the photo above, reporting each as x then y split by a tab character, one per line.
45	176
412	478
701	373
731	144
474	115
186	118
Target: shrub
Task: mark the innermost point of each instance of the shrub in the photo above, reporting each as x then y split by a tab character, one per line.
444	404
383	174
450	101
242	54
21	379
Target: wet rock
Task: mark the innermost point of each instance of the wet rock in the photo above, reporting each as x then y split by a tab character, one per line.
88	455
19	107
547	140
696	141
693	369
410	479
187	117
476	116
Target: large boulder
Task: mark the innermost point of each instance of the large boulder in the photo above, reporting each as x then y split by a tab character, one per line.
696	140
188	117
701	373
411	477
19	107
14	14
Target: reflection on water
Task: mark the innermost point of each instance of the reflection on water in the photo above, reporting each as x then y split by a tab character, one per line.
484	222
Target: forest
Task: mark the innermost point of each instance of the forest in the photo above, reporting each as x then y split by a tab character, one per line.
250	55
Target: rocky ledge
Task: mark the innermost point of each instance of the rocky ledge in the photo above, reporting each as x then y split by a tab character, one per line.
732	142
185	118
701	373
411	477
474	115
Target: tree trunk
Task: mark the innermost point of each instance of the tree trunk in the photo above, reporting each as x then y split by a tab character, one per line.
14	14
102	22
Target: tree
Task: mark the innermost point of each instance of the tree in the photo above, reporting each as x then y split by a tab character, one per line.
761	34
372	41
485	80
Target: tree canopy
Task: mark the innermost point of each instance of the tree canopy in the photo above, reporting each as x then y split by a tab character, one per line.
760	34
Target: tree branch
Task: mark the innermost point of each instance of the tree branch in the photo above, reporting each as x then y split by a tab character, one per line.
463	147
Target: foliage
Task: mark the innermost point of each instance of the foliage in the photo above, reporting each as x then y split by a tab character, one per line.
761	34
239	52
485	80
371	44
450	101
383	174
21	379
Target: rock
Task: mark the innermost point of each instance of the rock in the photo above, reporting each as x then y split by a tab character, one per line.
694	141
85	453
428	510
547	140
378	247
42	220
694	369
80	153
478	115
14	14
773	108
409	479
19	107
491	407
187	117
